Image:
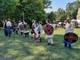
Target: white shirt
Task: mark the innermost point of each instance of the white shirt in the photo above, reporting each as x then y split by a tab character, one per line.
19	24
69	27
36	31
33	25
8	23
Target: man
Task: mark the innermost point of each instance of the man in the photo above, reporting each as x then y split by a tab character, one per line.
14	27
69	27
8	26
49	37
21	27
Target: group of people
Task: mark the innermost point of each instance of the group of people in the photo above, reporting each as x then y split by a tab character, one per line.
12	27
37	30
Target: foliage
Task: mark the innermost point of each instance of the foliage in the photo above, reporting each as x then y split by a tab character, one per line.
52	17
7	7
60	15
24	9
73	8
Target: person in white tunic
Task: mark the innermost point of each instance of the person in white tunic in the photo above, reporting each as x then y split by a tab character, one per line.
69	27
21	27
49	37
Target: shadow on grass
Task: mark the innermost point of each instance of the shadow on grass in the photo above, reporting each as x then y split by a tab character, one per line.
22	48
59	52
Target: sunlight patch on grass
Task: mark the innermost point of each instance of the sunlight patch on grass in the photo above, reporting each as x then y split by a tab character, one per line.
17	41
28	58
78	46
59	31
1	44
12	52
54	55
38	49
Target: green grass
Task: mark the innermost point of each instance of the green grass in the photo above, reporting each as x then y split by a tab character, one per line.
18	47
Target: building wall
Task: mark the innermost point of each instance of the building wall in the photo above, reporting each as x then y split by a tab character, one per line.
78	14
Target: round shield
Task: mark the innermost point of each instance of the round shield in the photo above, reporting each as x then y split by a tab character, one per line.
71	37
48	29
21	27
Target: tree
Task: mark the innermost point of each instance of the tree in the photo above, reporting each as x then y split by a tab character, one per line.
52	17
24	9
7	7
73	8
61	16
31	9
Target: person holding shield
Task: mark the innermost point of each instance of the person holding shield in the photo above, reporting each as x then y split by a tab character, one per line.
49	32
69	27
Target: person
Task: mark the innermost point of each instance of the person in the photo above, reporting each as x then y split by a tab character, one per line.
14	27
5	28
69	27
36	31
21	27
49	37
40	29
33	27
8	27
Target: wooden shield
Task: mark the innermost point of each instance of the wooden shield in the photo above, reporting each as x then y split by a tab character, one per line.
71	37
48	29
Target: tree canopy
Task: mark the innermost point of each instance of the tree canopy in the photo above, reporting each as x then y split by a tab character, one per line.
35	9
24	9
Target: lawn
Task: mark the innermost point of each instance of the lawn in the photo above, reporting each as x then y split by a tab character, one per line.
18	47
